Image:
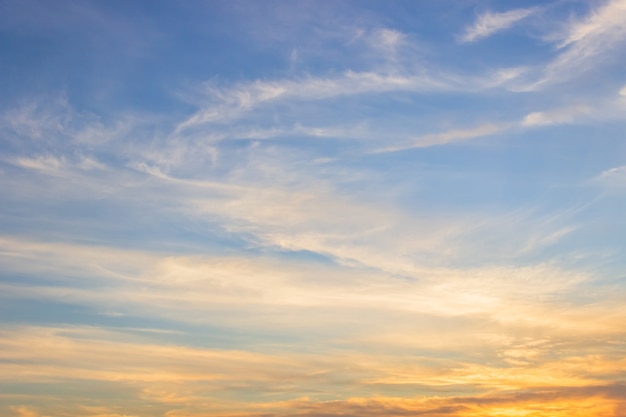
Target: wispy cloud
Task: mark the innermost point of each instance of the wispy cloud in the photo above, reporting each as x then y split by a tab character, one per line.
356	219
22	411
558	116
492	22
190	380
456	135
193	288
230	103
564	115
613	177
45	163
586	43
604	22
52	122
390	45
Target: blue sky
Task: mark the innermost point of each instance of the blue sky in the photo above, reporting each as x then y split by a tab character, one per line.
299	208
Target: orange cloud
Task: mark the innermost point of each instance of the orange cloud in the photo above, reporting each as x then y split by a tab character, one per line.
593	401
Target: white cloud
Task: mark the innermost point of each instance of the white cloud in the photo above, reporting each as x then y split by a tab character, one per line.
187	288
89	163
563	115
39	120
586	43
456	135
606	21
53	121
231	103
389	38
58	165
46	163
358	131
557	116
613	177
489	23
387	42
223	104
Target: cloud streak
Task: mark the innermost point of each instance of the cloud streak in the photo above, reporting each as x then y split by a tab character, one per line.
457	135
585	43
233	102
187	380
490	23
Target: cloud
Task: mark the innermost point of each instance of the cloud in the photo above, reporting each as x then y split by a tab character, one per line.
72	353
273	200
45	163
613	177
559	402
586	43
201	379
58	166
388	43
606	21
257	292
607	109
231	103
305	277
52	124
564	115
489	23
40	120
456	135
388	39
358	131
22	411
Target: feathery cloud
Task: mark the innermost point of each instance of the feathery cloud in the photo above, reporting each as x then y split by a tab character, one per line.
456	135
557	116
489	23
586	43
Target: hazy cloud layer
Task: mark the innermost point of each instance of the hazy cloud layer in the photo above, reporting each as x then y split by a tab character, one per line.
312	209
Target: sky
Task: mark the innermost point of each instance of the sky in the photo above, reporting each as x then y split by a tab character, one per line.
313	208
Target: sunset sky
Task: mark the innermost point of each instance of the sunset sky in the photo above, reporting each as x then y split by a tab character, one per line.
313	208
